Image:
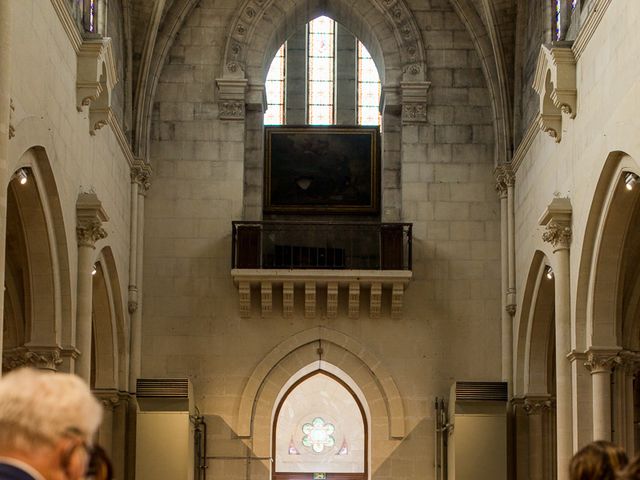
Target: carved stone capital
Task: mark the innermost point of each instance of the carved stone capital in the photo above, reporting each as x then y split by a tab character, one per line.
109	398
89	232
44	358
537	405
414	101
232	93
511	309
557	235
630	361
505	178
557	222
141	175
90	216
602	361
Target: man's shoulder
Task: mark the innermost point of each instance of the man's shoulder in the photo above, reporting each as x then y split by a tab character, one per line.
11	472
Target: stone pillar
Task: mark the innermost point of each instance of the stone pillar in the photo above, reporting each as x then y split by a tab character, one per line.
535	407
90	216
630	363
110	401
140	175
600	364
5	103
504	186
557	220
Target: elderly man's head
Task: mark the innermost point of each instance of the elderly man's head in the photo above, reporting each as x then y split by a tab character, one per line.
47	421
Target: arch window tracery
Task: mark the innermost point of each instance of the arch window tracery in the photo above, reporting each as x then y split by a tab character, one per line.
322	60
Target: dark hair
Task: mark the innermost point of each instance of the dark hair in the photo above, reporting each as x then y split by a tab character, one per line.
632	471
599	460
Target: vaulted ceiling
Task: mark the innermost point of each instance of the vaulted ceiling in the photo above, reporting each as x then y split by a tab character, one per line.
155	23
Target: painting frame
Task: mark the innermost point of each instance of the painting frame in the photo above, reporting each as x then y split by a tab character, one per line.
322	170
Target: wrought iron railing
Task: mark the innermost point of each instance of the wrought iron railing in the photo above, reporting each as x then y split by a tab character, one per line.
321	245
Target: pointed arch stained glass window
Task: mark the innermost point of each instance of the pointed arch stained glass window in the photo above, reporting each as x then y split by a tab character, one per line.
368	88
321	71
275	86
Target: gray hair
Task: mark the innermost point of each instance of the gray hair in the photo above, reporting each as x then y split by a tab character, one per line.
38	407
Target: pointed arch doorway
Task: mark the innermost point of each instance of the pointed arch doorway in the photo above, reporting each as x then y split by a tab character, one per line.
320	431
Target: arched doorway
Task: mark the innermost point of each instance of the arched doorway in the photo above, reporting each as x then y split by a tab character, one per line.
320	431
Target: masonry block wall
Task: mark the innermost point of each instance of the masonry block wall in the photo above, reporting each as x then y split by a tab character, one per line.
438	175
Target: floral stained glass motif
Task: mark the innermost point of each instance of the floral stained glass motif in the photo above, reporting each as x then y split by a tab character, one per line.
275	85
368	88
318	434
321	72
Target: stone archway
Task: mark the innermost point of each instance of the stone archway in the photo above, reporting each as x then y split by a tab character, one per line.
327	350
45	298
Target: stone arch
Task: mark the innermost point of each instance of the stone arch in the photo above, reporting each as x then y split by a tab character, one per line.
260	27
535	330
108	325
598	311
345	353
46	248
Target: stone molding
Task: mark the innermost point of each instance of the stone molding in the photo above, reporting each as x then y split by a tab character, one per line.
90	217
353	281
559	96
68	23
557	222
414	101
44	357
590	26
96	77
602	360
406	32
232	96
12	128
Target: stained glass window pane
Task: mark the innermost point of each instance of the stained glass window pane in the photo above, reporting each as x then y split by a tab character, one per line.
368	88
275	89
558	19
574	3
321	71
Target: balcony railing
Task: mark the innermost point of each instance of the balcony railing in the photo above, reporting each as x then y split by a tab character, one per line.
321	245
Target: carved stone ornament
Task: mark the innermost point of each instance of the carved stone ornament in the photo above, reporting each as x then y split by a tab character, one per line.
45	358
414	101
630	361
557	234
602	362
537	406
90	217
555	84
232	95
557	220
505	178
109	398
141	174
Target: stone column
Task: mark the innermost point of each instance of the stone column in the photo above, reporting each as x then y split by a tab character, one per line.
90	216
110	401
5	103
600	364
504	186
630	363
535	407
140	175
557	220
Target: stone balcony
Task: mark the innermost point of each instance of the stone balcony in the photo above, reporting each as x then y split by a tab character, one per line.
324	261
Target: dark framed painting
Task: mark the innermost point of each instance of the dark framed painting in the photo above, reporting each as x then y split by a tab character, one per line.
322	170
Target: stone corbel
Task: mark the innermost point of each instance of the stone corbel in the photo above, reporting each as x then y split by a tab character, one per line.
232	98
557	222
414	101
555	83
